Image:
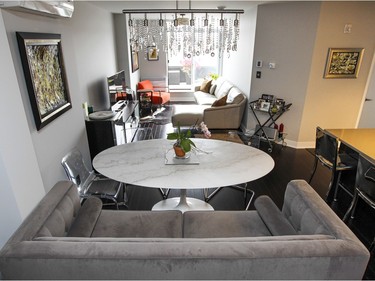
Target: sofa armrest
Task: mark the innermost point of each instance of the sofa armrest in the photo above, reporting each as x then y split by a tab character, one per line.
86	219
272	217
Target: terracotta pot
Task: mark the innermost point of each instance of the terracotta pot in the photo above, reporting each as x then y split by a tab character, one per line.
178	151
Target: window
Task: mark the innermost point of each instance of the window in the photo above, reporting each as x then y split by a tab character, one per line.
185	72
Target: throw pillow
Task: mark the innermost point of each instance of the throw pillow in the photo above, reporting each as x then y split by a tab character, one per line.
206	85
220	102
212	89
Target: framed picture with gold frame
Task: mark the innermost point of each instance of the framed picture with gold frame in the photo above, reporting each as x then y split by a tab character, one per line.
152	53
135	61
343	63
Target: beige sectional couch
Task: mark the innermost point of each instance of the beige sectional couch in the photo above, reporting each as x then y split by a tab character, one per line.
61	239
220	106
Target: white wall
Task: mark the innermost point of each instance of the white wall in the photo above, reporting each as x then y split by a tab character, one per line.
30	159
124	61
367	120
238	67
20	180
89	55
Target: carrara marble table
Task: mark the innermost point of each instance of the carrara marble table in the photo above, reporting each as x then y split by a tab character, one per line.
216	163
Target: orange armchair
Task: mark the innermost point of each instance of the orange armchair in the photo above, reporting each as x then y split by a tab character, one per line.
157	97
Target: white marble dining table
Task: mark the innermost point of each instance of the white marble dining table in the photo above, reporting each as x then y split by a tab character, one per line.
150	163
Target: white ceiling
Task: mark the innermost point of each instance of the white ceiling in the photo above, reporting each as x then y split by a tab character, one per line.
118	6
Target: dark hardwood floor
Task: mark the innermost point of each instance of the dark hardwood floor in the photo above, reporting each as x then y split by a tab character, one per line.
289	164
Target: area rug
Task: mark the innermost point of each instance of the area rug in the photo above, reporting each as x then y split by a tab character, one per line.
233	137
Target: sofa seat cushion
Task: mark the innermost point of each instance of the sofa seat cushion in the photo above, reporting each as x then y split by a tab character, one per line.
86	219
187	115
203	98
272	217
220	224
146	224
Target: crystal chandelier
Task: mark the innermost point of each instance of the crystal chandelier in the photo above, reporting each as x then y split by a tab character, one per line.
208	32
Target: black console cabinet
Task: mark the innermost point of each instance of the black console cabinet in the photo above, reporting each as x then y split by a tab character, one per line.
119	129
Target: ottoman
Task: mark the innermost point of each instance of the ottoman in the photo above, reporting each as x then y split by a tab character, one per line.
188	115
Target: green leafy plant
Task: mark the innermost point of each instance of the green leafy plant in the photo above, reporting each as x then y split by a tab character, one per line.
182	139
214	76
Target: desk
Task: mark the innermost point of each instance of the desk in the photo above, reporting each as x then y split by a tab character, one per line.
360	140
143	164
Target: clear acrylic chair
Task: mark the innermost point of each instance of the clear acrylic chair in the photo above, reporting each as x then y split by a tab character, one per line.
327	152
88	182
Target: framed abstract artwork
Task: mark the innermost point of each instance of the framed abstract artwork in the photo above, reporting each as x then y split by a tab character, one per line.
43	67
343	63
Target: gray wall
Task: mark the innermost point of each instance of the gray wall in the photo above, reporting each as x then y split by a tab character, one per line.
285	35
30	159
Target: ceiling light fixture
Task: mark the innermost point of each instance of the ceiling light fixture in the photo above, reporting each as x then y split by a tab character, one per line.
208	31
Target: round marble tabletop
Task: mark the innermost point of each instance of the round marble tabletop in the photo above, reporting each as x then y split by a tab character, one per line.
215	163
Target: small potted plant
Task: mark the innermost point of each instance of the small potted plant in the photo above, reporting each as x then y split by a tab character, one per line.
183	142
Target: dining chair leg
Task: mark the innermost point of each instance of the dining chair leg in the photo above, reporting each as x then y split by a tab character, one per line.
351	210
337	186
208	197
372	245
314	169
164	193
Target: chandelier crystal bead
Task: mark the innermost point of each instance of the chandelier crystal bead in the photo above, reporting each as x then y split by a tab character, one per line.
207	31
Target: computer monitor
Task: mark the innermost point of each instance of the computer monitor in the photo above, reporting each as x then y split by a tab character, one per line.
116	87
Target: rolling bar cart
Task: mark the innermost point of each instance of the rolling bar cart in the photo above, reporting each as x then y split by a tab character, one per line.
266	129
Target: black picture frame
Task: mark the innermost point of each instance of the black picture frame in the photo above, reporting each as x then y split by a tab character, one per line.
45	76
135	61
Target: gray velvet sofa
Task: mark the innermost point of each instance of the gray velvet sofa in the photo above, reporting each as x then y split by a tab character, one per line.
62	240
221	106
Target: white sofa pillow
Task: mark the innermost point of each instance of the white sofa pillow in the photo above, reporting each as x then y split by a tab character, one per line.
233	93
223	89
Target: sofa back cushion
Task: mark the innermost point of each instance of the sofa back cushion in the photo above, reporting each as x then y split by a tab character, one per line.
234	96
146	224
222	87
145	85
60	211
219	224
305	210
